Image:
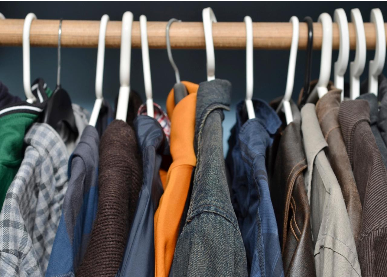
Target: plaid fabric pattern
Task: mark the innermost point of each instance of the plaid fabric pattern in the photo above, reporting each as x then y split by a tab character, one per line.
160	116
32	208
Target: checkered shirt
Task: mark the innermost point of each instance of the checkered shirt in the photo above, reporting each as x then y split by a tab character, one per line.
33	205
160	116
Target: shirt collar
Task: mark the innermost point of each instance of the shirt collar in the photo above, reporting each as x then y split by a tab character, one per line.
40	91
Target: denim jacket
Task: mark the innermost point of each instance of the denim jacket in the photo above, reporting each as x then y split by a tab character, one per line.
249	141
210	243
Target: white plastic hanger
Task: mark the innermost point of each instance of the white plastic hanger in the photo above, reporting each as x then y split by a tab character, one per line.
126	47
342	61
326	55
249	67
377	64
291	71
99	73
26	58
208	18
146	66
357	66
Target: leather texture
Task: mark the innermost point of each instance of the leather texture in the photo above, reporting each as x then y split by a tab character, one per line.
289	197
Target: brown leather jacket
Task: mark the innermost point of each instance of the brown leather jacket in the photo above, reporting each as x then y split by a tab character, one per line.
286	166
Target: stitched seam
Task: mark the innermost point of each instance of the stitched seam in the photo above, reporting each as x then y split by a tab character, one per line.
330	110
287	179
294	233
295	175
294	214
330	130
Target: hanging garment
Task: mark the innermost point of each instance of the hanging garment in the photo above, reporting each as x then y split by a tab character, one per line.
286	167
327	110
160	116
210	243
334	244
15	120
135	103
70	139
249	140
105	117
170	211
79	207
33	204
371	179
6	98
374	114
119	183
382	118
139	259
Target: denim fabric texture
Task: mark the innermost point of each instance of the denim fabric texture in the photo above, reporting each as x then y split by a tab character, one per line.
248	144
139	259
211	243
79	207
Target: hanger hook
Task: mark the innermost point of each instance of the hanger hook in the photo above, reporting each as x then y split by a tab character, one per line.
59	54
125	54
291	71
169	49
357	66
377	64
249	67
99	71
326	55
26	57
308	66
208	18
146	66
342	61
292	58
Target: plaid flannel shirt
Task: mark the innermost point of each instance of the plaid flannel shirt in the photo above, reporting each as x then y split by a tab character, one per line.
33	205
160	116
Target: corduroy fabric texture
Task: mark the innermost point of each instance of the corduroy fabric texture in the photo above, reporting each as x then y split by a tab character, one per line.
120	180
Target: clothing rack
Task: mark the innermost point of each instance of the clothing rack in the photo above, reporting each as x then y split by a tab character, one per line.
183	35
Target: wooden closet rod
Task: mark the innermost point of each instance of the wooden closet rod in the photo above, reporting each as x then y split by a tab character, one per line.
183	35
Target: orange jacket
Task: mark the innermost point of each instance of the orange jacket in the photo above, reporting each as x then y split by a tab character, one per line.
168	214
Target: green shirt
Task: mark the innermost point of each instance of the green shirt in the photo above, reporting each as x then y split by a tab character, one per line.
15	120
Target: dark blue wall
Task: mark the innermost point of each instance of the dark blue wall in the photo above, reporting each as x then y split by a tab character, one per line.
78	65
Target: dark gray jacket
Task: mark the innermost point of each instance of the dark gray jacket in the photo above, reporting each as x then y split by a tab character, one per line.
210	243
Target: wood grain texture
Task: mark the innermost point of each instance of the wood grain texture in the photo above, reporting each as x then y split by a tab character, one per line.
183	35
